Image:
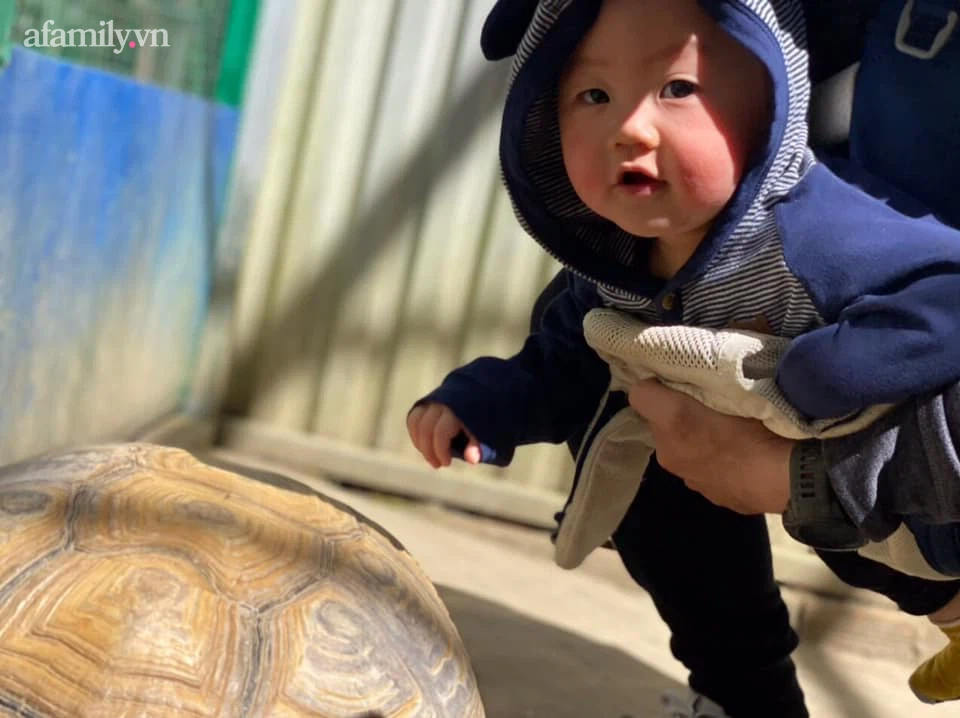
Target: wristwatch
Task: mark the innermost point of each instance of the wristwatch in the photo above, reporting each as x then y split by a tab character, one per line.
814	515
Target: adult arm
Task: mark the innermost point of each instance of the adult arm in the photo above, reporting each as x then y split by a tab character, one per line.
905	464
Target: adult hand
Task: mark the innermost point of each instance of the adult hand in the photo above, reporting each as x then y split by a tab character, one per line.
734	462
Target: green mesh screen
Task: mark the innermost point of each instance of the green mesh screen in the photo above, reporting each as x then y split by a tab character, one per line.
235	58
7	11
183	51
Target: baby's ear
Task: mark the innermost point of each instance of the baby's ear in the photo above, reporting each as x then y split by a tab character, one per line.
505	27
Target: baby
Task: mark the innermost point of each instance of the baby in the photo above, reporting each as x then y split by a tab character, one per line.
658	150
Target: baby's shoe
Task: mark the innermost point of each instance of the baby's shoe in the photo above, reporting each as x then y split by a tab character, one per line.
938	679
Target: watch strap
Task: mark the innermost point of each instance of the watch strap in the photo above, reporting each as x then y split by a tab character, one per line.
814	515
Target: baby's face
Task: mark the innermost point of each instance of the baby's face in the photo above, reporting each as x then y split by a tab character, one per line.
659	111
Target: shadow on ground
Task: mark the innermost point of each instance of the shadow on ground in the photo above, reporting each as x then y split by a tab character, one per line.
530	669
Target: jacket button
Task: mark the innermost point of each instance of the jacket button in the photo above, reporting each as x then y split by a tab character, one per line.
668	301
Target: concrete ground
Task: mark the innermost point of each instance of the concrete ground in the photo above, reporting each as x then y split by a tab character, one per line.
549	643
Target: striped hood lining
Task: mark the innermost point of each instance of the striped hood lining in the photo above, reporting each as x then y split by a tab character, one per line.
545	202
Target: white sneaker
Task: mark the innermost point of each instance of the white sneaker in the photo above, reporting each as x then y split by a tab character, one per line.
689	705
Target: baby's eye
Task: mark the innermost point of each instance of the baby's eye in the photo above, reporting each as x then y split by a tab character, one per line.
595	97
678	89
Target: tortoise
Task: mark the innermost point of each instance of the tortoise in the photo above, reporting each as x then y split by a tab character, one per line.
137	580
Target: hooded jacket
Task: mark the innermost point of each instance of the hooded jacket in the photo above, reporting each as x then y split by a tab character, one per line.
863	279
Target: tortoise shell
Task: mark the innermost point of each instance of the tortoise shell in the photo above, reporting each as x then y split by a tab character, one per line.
137	581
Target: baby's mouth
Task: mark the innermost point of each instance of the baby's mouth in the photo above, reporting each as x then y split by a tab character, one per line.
638	180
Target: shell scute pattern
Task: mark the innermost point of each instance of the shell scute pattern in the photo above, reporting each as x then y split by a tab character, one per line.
137	580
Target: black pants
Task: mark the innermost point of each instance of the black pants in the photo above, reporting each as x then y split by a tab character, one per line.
710	574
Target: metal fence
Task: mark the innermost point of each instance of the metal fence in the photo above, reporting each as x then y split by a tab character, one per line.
396	255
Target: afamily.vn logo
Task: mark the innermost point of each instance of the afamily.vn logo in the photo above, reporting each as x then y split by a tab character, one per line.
57	37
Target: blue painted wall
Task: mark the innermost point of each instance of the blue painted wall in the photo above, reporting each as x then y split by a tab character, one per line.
110	196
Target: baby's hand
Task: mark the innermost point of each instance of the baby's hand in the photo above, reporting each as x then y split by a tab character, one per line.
432	428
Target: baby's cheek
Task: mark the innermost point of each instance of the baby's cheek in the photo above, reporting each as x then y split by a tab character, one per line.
713	159
584	169
710	177
587	178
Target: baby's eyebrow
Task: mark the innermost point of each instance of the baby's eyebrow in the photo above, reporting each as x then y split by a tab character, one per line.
586	61
670	51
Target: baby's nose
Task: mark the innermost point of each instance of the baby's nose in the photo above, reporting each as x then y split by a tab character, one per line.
638	128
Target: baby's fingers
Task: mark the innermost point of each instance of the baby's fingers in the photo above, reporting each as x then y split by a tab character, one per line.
446	429
414	416
472	453
467	446
422	432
